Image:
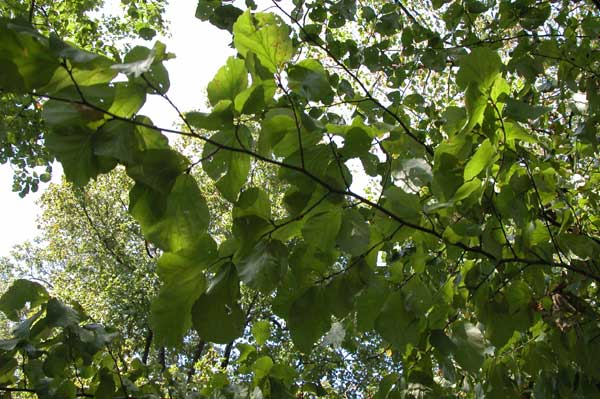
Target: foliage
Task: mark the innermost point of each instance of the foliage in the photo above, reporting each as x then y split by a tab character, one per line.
468	269
89	25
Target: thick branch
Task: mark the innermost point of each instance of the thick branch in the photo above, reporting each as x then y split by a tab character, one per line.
324	183
197	354
147	345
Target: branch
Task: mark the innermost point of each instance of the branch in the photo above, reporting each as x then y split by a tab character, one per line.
147	346
227	355
31	10
477	250
197	354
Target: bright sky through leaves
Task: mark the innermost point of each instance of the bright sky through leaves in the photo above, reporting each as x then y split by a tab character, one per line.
190	73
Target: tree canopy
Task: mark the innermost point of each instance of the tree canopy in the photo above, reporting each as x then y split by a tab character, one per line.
382	200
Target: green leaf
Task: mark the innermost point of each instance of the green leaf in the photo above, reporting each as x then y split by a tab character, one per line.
321	228
470	346
261	331
477	73
158	168
106	387
182	274
221	117
128	99
370	303
342	289
396	325
406	206
60	315
478	68
523	112
482	159
229	81
264	267
253	202
217	315
357	142
279	133
308	318
309	79
73	147
20	293
261	367
255	99
126	142
25	54
228	168
185	218
57	361
355	234
265	35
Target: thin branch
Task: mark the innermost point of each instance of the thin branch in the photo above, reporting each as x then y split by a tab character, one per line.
296	121
147	345
354	77
31	10
197	354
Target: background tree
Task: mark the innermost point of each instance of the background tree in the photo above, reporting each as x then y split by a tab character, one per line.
470	267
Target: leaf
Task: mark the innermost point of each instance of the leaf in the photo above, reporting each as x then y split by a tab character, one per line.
216	315
261	331
523	112
482	159
477	73
396	325
255	99
406	206
60	315
221	117
343	288
265	35
228	168
470	346
478	68
57	361
264	267
185	218
321	229
25	55
73	147
261	367
229	81
128	99
106	387
182	274
308	319
253	202
369	304
309	79
158	168
355	234
20	293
